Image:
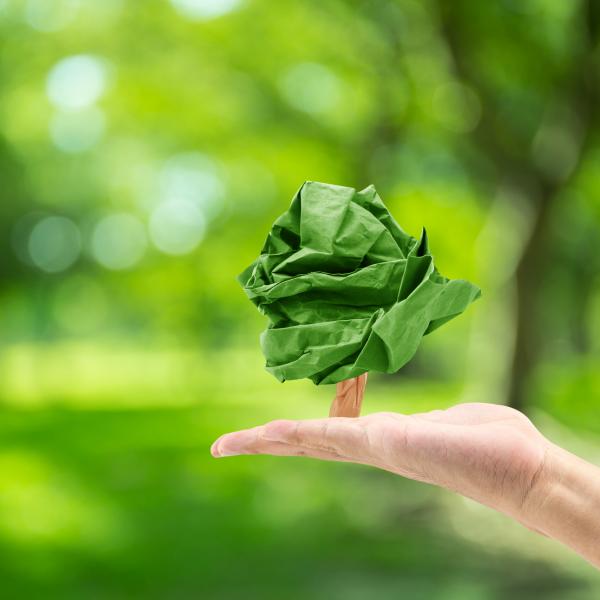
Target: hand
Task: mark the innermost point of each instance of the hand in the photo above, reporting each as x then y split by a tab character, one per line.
490	453
487	452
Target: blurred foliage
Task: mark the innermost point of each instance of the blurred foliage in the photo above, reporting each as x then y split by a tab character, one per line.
145	149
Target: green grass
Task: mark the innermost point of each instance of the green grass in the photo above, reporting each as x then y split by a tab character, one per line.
98	501
129	503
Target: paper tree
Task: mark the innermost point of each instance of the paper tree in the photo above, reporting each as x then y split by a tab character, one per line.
346	291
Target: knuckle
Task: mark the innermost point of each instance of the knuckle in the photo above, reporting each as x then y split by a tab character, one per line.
279	429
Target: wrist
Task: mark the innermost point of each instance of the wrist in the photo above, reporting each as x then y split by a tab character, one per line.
563	502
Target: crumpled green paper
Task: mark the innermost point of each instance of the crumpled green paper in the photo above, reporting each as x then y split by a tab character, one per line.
345	288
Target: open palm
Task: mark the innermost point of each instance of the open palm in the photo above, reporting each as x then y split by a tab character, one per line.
487	452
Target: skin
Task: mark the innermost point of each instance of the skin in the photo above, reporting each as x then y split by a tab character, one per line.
492	454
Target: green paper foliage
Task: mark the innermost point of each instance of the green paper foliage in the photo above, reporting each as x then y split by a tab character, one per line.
345	288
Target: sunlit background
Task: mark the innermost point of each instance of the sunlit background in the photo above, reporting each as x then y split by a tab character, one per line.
145	149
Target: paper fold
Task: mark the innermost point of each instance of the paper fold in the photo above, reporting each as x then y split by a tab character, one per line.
345	288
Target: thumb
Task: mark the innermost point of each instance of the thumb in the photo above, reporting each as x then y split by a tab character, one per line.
336	438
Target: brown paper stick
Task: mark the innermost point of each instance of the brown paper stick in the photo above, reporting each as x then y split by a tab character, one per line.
348	397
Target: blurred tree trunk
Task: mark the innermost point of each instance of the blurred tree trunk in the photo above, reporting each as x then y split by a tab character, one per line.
583	278
531	334
15	202
529	275
578	94
507	148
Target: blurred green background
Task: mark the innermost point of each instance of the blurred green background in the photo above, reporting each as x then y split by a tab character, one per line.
145	149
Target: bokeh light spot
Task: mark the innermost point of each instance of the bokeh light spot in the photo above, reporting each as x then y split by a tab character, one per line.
54	244
555	149
456	107
177	226
20	235
119	241
196	178
77	131
312	88
76	81
204	10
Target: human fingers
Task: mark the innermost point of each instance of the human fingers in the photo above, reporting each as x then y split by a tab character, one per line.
332	438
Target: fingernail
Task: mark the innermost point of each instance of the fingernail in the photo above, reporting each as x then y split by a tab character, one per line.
214	450
218	452
228	453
